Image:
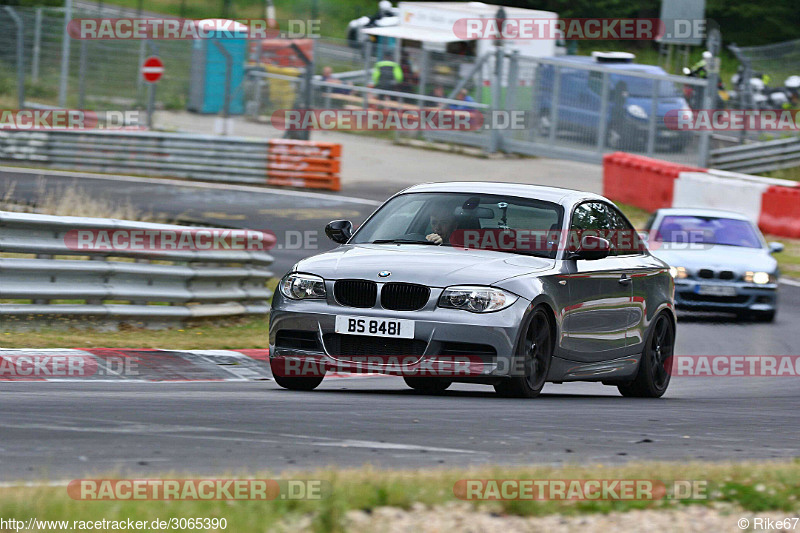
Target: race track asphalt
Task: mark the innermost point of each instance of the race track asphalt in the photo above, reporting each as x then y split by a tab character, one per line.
55	431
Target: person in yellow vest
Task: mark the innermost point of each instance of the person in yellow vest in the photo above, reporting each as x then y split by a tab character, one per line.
387	74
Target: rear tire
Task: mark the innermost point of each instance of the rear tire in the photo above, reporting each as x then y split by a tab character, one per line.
427	385
535	351
655	367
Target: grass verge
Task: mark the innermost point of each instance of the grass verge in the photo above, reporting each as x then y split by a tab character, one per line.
792	173
754	486
208	334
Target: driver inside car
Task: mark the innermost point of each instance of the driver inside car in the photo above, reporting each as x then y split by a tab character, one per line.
443	224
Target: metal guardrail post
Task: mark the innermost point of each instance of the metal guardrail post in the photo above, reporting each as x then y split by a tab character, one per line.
511	88
82	77
367	61
425	66
709	94
536	96
602	127
554	105
653	118
65	42
37	45
495	136
20	56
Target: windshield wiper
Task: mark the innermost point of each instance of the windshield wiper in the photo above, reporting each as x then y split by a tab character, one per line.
401	241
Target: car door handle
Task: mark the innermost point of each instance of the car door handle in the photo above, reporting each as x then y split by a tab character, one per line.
625	280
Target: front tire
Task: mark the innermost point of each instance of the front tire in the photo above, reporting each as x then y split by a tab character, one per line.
765	316
655	368
535	351
300	383
427	385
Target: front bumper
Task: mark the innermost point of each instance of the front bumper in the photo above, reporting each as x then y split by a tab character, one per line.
748	297
638	131
446	341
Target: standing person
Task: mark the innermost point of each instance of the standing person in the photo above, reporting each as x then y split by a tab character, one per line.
464	97
438	92
387	74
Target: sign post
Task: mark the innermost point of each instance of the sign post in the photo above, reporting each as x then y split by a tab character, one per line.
152	70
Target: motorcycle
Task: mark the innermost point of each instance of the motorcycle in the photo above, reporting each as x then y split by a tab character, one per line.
763	96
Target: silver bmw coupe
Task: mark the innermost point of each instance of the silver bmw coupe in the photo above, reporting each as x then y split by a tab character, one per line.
507	285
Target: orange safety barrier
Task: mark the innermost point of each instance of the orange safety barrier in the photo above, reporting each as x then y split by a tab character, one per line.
780	211
307	164
641	181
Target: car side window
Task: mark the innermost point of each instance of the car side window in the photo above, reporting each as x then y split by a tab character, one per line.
589	216
624	239
596	82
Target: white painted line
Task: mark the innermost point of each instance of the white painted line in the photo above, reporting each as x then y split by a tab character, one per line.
353	443
790	281
14	485
196	184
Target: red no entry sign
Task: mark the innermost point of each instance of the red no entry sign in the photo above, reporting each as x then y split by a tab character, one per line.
152	69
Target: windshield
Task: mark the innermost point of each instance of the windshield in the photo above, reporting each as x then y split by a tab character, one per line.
643	87
708	230
481	221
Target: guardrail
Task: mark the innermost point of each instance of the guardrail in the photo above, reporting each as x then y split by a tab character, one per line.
180	155
758	157
43	274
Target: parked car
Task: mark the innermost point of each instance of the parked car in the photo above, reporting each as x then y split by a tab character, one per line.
719	259
427	277
630	102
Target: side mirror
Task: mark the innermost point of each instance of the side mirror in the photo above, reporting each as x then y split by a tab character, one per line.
339	231
592	248
775	247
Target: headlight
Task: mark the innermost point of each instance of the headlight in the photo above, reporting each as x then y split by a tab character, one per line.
302	287
476	299
759	278
678	272
637	111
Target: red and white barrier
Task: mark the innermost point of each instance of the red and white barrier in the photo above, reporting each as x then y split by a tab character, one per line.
654	184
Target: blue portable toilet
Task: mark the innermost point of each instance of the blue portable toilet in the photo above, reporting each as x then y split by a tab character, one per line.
207	89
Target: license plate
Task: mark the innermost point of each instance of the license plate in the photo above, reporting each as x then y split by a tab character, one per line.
375	327
716	290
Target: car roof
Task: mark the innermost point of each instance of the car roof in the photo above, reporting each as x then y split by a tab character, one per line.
588	60
523	190
702	212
